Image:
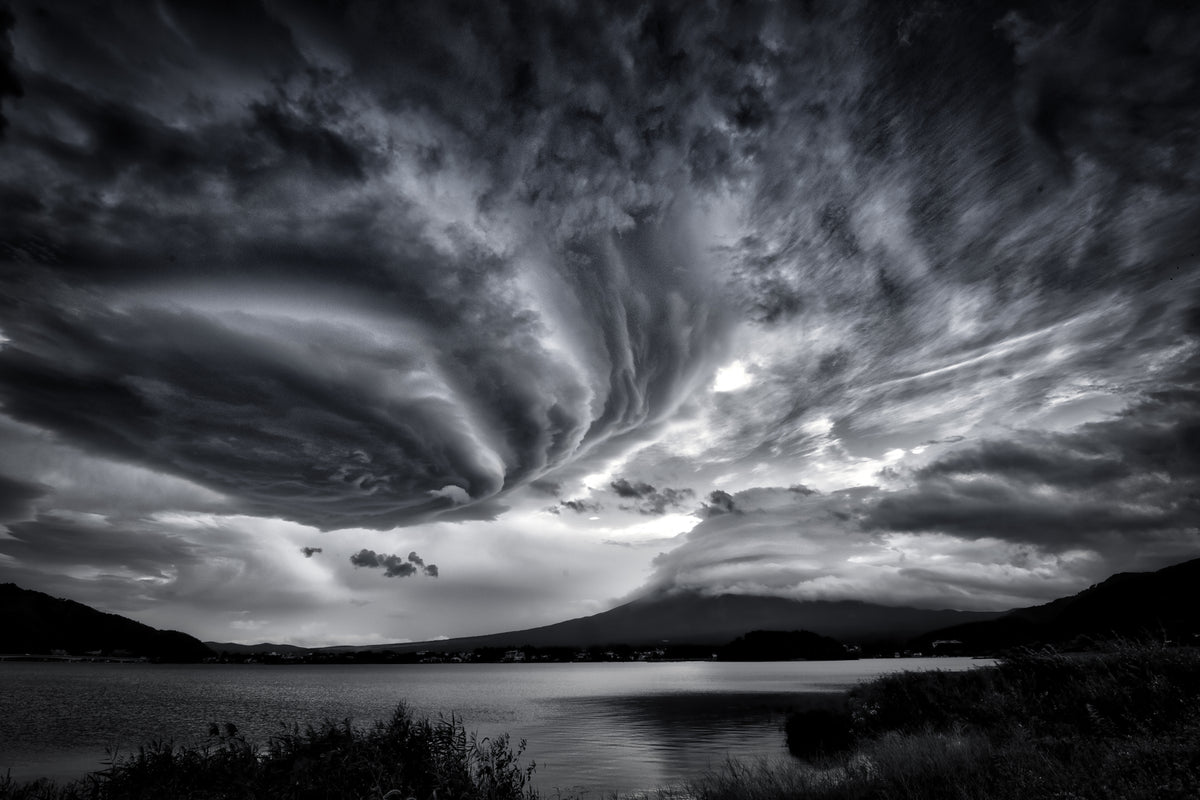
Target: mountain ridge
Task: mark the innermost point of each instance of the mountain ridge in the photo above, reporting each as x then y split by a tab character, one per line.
1125	604
37	623
688	618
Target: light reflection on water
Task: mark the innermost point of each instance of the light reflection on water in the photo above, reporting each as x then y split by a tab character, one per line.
593	728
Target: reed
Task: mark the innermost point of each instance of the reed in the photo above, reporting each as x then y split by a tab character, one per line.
1119	724
403	757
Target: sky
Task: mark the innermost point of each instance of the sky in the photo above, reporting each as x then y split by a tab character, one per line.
356	322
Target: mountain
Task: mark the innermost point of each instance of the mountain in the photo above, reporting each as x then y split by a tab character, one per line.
783	646
698	619
1129	604
39	624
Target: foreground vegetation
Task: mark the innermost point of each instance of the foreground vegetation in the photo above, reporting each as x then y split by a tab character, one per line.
1120	724
1124	723
401	758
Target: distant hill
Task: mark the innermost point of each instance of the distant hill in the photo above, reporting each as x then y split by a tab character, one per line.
697	619
1165	603
256	649
37	623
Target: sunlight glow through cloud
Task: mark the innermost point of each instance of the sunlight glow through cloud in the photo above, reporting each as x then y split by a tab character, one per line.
732	377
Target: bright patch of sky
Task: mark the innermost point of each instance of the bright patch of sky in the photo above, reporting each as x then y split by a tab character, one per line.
732	377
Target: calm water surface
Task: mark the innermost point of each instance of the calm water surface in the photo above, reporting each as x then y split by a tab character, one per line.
591	728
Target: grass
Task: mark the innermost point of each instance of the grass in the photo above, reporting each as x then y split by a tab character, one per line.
1123	724
401	758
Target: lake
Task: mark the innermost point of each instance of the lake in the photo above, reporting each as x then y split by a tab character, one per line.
592	728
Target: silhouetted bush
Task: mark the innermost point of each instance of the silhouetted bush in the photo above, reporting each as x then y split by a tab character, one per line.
1114	725
402	757
1127	689
819	732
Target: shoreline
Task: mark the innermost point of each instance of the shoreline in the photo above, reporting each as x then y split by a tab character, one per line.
774	707
1033	725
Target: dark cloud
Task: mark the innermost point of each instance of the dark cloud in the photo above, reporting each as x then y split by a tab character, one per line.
324	150
16	497
1134	478
10	84
719	502
552	488
649	499
397	569
579	506
365	558
624	488
56	544
601	124
292	195
310	551
666	499
1116	86
237	414
393	566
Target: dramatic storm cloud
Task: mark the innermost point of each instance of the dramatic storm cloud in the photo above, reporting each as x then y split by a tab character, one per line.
1135	479
318	298
895	301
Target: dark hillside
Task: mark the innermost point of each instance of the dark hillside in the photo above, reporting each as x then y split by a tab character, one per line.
37	623
1160	605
